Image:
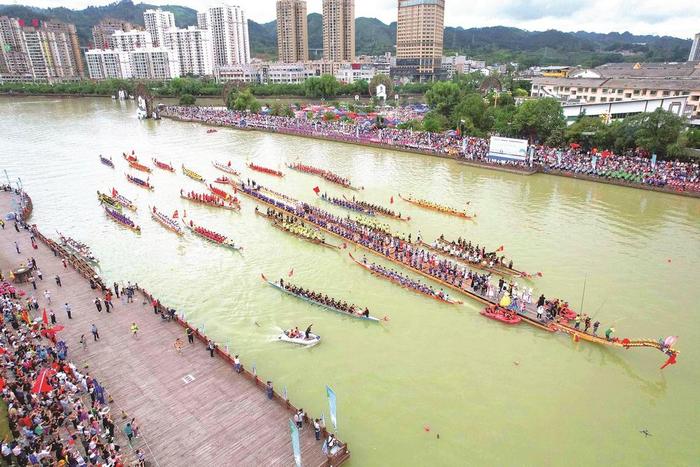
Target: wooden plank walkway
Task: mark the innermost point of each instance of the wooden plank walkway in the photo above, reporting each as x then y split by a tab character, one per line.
219	418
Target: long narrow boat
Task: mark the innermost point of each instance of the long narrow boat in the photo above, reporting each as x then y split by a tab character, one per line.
122	219
225	168
223	180
138	166
80	249
393	280
130	157
276	224
107	162
192	174
167	222
527	316
211	236
140	183
379	210
218	192
123	200
270	192
322	305
265	170
613	342
109	201
163	165
437	207
325	174
209	200
345	204
501	271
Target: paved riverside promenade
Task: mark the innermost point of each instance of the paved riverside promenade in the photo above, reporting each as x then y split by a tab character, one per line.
219	418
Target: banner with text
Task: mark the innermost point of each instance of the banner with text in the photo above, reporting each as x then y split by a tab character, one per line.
507	149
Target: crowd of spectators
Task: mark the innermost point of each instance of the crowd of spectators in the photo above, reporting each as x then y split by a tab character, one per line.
57	414
634	168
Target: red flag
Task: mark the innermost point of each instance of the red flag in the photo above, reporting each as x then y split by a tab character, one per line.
671	361
35	22
291	272
391	201
500	248
20	22
316	190
114	191
42	381
175	214
45	318
2	384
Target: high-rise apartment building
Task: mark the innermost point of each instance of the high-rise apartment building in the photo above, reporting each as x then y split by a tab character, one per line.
108	64
14	59
64	49
157	22
339	30
157	63
229	34
292	35
43	52
129	41
193	49
695	49
102	31
419	38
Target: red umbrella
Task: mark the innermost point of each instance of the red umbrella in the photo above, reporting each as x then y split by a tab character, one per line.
42	382
575	145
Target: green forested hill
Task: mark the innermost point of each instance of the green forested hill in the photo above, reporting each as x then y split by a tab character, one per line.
494	44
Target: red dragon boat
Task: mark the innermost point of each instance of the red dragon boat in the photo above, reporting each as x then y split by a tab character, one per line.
325	174
265	170
130	157
218	192
501	314
209	200
163	165
210	235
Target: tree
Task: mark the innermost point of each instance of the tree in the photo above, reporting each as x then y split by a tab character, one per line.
435	122
471	108
187	99
244	100
443	97
381	79
584	131
325	86
657	130
540	119
693	138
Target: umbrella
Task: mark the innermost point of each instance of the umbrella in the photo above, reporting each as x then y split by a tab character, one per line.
42	381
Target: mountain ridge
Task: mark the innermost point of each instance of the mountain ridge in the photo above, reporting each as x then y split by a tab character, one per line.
373	37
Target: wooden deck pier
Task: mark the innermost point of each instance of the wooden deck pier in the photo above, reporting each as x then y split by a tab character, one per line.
192	409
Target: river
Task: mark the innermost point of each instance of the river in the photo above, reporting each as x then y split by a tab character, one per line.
437	384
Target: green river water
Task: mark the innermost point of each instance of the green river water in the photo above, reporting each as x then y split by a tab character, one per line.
432	365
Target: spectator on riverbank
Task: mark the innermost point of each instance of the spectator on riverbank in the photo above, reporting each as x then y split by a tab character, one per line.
635	167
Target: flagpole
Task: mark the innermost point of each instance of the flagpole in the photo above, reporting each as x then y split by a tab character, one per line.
583	294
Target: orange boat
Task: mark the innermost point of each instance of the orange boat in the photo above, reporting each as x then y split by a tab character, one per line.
138	166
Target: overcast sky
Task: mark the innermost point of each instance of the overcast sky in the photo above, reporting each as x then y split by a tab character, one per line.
680	18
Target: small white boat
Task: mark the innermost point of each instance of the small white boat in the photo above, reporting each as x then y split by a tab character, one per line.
310	342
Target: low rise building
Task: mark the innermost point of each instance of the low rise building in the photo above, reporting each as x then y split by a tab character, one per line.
620	82
355	72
